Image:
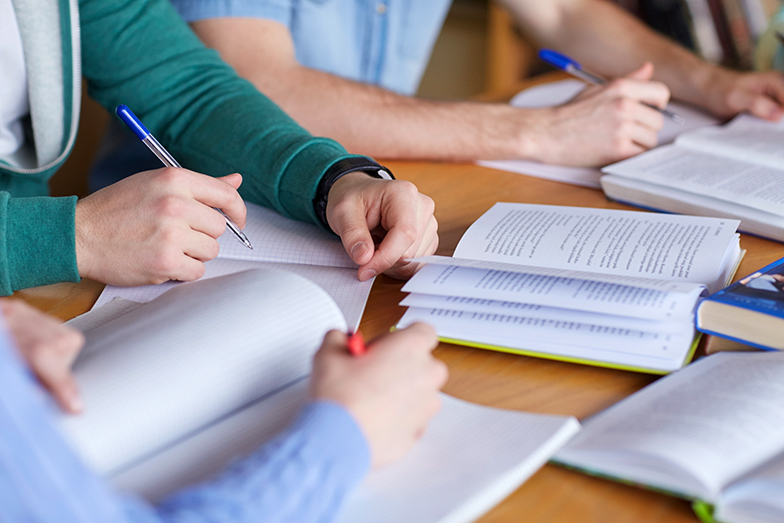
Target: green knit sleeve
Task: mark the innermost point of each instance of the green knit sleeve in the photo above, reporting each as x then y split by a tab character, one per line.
37	242
140	53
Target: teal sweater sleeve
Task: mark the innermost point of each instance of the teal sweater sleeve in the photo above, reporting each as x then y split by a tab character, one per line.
140	53
39	242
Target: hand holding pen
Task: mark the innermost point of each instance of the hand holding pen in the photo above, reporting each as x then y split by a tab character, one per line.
574	68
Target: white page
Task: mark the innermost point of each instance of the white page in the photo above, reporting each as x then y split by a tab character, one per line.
626	243
758	498
584	295
656	351
341	284
746	138
528	310
470	458
557	93
727	179
715	420
276	238
189	357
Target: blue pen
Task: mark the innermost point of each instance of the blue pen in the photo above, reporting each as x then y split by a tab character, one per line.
574	68
138	128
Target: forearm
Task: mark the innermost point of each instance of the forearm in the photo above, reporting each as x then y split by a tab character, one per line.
590	32
210	119
376	122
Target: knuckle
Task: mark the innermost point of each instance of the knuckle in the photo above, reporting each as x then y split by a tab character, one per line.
170	206
405	188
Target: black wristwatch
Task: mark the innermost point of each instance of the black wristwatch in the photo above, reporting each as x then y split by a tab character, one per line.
339	170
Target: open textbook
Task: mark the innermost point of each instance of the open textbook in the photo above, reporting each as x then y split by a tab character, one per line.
284	244
733	171
598	286
558	93
712	432
178	388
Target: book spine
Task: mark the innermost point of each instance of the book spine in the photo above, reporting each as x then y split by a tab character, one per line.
706	34
739	31
756	17
723	31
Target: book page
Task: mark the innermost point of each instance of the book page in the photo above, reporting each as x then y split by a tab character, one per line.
276	238
727	179
470	458
191	356
758	497
625	243
695	431
529	310
557	93
349	293
554	291
654	351
746	138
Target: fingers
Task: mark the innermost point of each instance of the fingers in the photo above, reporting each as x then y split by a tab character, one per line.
411	231
49	347
653	93
643	74
764	107
418	334
215	192
350	223
429	244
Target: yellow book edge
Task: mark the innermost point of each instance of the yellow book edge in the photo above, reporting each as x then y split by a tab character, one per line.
572	359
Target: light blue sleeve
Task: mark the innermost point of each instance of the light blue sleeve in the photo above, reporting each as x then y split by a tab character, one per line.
194	10
302	475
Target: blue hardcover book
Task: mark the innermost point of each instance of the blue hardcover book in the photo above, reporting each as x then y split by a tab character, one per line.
750	311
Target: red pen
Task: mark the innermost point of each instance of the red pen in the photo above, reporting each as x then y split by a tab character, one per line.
356	344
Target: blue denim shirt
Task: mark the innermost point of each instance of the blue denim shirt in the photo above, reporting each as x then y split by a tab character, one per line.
301	475
381	42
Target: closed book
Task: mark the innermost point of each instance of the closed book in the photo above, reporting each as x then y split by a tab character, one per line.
750	311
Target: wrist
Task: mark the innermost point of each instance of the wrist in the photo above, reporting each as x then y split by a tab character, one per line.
356	167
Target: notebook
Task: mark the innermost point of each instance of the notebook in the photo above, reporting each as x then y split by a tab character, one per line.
179	387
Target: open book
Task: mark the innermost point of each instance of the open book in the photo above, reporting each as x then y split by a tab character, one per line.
283	244
713	431
177	388
734	171
558	93
599	286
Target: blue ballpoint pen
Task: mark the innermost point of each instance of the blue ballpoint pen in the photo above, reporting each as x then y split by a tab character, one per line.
574	68
138	128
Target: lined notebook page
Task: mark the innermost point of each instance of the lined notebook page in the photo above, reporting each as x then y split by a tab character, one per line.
182	361
279	239
342	285
469	459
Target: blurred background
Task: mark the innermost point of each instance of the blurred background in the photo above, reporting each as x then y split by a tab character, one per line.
480	54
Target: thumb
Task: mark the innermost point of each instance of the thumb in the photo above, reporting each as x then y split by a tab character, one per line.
335	342
235	180
643	74
350	223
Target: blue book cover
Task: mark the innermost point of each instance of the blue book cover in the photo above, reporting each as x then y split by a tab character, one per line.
762	292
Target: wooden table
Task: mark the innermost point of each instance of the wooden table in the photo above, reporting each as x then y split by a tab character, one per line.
462	192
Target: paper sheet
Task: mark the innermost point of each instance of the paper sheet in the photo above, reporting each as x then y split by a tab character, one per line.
558	93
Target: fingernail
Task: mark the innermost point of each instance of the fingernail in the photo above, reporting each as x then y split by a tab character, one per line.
76	405
358	250
366	275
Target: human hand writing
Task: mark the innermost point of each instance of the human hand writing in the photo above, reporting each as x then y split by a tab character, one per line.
360	207
49	347
391	391
155	226
603	124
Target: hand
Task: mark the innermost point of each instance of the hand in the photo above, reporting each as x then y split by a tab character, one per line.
603	124
155	226
360	207
49	347
391	391
728	93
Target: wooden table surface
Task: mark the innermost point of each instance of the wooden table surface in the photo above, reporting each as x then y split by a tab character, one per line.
463	192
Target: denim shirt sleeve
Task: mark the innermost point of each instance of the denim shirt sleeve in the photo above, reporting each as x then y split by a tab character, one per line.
194	10
302	475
